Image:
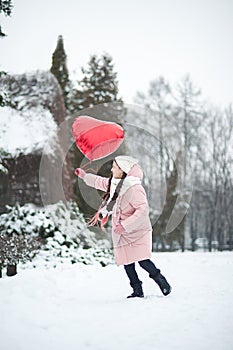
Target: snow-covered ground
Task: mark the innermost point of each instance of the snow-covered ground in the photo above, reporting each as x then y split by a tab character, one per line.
78	307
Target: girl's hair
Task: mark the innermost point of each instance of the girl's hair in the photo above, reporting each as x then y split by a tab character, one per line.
116	193
110	205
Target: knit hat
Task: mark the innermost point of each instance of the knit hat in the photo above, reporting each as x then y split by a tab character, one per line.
125	162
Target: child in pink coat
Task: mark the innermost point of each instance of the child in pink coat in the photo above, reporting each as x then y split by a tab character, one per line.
125	200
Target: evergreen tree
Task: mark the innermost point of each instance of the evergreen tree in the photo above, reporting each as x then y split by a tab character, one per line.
4	95
99	84
59	69
97	93
6	9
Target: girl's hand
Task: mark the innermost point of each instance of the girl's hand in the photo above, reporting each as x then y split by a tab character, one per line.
119	229
80	173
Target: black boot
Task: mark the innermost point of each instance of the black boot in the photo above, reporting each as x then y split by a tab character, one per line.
137	290
162	283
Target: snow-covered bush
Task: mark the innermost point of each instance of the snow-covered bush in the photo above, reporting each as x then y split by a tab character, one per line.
58	232
16	247
18	239
73	241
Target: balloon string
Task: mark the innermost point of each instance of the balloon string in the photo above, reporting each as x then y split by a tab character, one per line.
84	167
92	169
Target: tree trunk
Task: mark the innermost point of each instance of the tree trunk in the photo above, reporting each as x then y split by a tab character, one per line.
0	271
11	270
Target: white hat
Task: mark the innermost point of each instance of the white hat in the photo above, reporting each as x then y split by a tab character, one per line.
125	162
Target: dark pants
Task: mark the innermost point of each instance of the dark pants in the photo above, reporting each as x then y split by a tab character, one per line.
147	265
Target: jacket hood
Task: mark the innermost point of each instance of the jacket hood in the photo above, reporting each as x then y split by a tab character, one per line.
136	171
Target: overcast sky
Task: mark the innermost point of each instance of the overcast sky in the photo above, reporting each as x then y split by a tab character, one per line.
145	38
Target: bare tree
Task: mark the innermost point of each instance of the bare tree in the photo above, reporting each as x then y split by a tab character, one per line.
158	103
189	116
213	181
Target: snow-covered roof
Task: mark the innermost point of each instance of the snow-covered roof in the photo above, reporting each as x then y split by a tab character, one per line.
26	131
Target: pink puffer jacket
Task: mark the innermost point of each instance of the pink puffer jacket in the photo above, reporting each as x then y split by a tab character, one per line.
132	211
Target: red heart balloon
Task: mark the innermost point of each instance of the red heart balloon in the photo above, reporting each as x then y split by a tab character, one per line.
95	138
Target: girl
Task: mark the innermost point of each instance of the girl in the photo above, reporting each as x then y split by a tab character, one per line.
126	201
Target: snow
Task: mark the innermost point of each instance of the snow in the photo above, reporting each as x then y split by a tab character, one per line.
57	234
3	170
26	131
84	307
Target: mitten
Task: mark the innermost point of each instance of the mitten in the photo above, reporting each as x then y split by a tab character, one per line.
119	229
80	173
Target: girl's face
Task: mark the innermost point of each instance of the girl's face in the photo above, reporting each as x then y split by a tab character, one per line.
116	171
